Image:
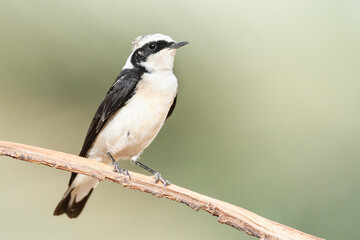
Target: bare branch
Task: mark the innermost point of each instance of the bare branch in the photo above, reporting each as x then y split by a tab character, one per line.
229	214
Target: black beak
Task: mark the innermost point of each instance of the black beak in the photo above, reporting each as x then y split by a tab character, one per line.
178	44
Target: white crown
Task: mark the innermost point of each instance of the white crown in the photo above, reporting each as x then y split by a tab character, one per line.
142	40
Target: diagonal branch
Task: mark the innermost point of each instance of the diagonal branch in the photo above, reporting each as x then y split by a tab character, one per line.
229	214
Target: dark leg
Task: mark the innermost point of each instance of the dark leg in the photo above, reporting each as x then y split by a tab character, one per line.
117	167
157	175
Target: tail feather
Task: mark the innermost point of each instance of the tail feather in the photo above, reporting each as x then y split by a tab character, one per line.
75	198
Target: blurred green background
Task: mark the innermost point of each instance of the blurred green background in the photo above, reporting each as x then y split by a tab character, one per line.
267	117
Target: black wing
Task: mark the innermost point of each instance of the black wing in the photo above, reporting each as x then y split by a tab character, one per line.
120	92
171	110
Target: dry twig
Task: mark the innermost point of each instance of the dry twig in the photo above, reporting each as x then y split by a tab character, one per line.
229	214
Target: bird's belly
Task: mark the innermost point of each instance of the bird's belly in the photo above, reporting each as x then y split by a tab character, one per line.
132	128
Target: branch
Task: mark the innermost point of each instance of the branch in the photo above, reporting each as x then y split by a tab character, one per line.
229	214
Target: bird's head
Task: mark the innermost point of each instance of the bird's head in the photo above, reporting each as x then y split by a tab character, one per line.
155	52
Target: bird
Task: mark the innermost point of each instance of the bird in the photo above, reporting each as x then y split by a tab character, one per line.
132	113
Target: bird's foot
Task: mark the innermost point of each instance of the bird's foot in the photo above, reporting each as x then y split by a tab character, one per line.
120	170
157	175
158	178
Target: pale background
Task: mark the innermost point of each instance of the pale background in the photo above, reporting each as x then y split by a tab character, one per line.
268	114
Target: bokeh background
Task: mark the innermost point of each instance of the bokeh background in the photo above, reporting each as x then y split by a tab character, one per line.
267	117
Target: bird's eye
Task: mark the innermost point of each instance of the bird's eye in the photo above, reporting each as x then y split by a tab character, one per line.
152	46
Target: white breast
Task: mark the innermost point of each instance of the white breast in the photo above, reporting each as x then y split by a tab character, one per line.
131	129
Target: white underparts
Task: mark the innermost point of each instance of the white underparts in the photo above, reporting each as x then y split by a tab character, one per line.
131	129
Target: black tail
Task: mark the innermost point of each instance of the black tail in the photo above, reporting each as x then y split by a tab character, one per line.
68	205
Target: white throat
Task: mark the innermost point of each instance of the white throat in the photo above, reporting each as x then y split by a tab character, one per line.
160	61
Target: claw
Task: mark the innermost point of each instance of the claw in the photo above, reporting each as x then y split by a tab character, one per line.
126	173
158	178
120	170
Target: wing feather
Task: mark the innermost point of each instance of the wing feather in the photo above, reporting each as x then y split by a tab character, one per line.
171	110
117	96
119	93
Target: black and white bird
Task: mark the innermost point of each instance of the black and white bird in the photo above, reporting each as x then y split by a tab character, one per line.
135	108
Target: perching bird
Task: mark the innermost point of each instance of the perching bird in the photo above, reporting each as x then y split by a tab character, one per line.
136	106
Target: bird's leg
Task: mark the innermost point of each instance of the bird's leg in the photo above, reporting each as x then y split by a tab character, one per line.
117	168
157	175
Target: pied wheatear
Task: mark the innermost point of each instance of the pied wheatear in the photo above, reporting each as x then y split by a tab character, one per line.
135	108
